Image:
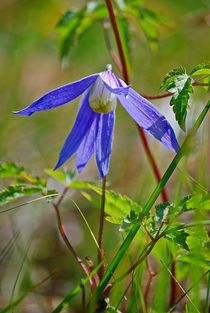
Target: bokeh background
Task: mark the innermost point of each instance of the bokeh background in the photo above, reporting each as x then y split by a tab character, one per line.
30	66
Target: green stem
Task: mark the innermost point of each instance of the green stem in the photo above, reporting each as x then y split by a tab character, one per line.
207	304
101	227
124	247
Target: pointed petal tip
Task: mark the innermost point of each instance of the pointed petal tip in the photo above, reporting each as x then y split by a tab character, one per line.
80	168
22	112
57	165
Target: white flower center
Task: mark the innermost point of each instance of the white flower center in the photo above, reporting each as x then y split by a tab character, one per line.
101	100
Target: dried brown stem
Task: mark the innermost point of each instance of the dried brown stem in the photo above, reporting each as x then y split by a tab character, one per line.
151	275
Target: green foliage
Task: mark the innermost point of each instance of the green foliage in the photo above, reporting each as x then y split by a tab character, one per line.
24	185
125	34
162	210
64	177
179	84
179	237
75	23
129	220
12	193
201	70
144	19
119	208
10	170
132	18
67	28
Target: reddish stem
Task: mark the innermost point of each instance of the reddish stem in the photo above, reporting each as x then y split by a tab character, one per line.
67	242
173	284
126	79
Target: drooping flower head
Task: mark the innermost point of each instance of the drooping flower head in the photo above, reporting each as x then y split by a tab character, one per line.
92	132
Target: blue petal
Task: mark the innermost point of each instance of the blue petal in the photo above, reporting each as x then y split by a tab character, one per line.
59	96
119	90
104	142
113	84
148	117
81	127
86	148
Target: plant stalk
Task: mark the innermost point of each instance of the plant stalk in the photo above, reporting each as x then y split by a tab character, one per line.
101	227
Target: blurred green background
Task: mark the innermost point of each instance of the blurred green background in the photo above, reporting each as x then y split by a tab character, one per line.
30	66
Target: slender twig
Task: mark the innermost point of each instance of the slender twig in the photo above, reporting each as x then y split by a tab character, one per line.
68	244
61	196
156	97
126	78
55	205
151	275
118	40
83	299
90	264
173	285
141	257
101	227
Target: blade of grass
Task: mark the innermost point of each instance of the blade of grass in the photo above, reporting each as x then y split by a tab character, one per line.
187	291
66	300
5	251
122	250
207	304
24	295
18	275
86	222
29	202
180	286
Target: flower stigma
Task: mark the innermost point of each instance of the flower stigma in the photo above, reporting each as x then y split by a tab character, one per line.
101	100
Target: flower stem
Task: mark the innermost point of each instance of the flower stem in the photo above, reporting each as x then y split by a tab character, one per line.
101	227
67	242
126	79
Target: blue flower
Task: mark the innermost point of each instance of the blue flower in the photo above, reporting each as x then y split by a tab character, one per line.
92	132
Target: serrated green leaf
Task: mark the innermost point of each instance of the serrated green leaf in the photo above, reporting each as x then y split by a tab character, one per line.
130	220
179	102
117	205
201	69
168	83
14	192
10	170
198	201
65	177
162	210
178	237
195	259
180	85
198	238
